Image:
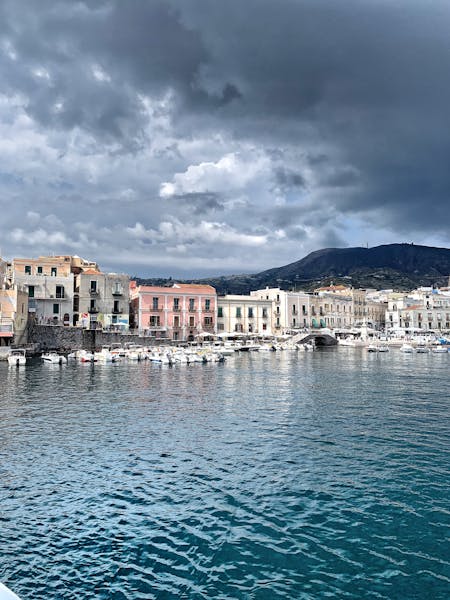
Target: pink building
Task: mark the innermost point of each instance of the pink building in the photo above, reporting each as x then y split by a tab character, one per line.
181	312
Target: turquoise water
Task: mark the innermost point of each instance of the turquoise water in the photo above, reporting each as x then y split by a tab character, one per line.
276	475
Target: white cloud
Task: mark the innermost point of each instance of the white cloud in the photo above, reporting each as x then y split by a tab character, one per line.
203	234
233	172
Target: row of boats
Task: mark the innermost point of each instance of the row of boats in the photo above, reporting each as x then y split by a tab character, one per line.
162	354
410	349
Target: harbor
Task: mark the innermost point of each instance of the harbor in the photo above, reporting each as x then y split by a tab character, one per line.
296	474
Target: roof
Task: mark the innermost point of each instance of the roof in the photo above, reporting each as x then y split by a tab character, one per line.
178	288
91	272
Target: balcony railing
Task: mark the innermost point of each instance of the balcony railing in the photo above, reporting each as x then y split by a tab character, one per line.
192	309
117	292
117	311
156	309
93	292
176	309
93	310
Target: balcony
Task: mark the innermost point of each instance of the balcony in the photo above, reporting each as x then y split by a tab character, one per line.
93	310
94	293
117	292
207	310
192	309
155	309
176	309
117	311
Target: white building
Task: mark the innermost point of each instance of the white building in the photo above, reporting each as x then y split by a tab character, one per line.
244	314
290	310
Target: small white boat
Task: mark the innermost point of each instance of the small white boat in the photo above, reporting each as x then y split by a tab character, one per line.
377	348
439	350
54	358
422	350
407	349
17	358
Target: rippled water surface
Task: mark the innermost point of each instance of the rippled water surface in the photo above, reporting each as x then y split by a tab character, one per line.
276	475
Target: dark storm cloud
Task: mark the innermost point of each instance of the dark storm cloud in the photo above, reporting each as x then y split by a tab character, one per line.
344	103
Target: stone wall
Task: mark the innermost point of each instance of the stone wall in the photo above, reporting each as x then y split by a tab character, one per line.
66	339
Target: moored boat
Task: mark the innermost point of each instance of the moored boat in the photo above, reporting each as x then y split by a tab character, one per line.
54	358
17	357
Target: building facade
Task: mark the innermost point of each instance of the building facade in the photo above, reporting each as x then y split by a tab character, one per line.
244	315
421	310
50	285
182	312
102	300
13	315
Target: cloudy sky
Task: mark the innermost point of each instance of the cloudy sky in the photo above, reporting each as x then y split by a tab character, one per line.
200	137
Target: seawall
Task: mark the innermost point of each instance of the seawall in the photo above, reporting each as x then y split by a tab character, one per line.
67	339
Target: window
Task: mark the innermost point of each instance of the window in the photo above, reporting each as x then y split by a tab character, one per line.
54	272
92	305
191	321
93	287
176	321
116	306
27	269
293	322
31	291
39	270
56	309
191	304
294	310
208	321
155	304
208	304
176	304
154	321
278	297
220	311
264	313
60	291
238	312
250	312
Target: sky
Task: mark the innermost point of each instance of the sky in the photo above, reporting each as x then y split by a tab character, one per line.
191	138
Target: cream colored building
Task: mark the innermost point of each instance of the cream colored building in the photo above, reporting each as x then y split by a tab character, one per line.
244	315
50	285
290	310
13	316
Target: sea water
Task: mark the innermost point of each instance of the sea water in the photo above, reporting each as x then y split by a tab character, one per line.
273	475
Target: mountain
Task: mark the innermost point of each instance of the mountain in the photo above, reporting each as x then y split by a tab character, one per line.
397	266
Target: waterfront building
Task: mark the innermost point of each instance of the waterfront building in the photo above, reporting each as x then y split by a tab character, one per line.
182	312
421	310
50	284
244	315
344	307
290	310
101	300
13	315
